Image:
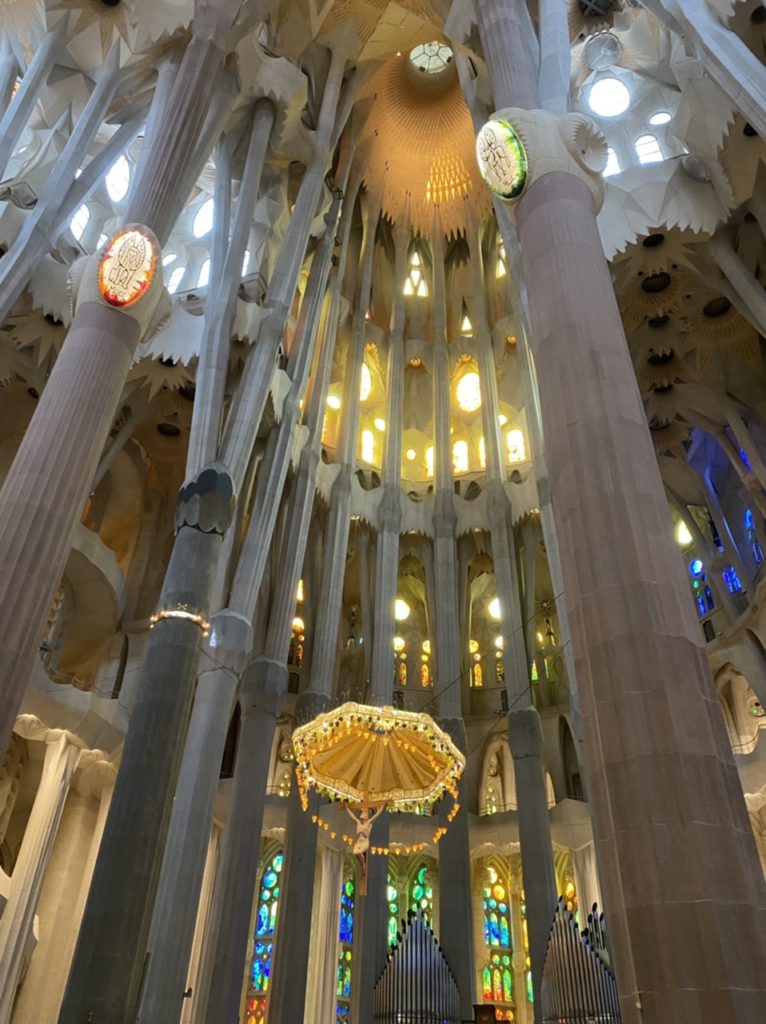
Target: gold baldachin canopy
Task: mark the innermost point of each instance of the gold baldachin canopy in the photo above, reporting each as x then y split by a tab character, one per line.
376	757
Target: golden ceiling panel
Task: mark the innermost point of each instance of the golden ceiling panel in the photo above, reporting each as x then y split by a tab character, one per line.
423	148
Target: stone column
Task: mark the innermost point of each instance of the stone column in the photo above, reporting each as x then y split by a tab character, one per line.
64	888
57	458
323	957
586	881
525	738
371	927
223	965
29	871
455	924
203	916
666	799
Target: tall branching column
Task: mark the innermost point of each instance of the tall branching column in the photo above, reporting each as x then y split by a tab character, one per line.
525	737
455	915
667	803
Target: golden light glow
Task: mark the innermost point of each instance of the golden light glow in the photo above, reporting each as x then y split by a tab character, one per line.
410	454
516	448
502	419
460	456
299	592
683	537
482	453
466	327
430	461
126	269
494	609
333	401
368	446
398	643
379	423
365	383
401	610
415	362
427	646
468	392
473	646
298	624
499	642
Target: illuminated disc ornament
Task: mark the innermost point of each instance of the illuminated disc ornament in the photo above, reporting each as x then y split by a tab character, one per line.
127	267
376	757
502	159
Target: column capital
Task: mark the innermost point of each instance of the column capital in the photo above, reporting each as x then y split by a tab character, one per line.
206	502
517	147
95	773
525	734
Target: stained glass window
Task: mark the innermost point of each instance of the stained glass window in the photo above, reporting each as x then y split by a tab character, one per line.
346	940
516	447
731	579
368	447
425	674
430	461
755	546
460	456
402	673
265	929
421	893
497	976
416	282
392	895
468	392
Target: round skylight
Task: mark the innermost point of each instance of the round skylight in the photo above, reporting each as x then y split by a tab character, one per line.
431	58
203	219
608	97
661	117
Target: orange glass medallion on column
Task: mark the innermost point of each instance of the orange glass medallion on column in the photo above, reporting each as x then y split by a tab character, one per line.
127	267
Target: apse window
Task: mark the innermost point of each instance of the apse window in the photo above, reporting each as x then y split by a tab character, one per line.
432	58
118	179
608	97
661	117
612	163
516	447
203	219
368	447
468	392
416	282
460	457
648	150
79	222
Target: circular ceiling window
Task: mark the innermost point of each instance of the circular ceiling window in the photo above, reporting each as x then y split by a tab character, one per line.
608	97
431	58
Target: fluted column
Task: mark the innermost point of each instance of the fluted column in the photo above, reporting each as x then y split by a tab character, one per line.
203	916
455	924
60	761
324	940
64	887
224	959
653	789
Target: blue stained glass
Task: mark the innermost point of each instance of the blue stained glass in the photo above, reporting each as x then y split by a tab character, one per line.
701	609
486	930
709	599
262	921
745	460
696	567
749	521
493	903
270	879
504	936
494	930
503	908
732	580
278	861
347	982
259	948
257	974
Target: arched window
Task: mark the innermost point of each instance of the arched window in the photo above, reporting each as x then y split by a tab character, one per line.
430	461
755	546
517	451
265	931
368	447
500	671
612	163
402	673
204	275
392	896
365	383
203	219
175	279
497	979
648	149
79	222
468	391
421	893
416	282
477	674
425	674
460	457
346	940
118	179
482	453
731	579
